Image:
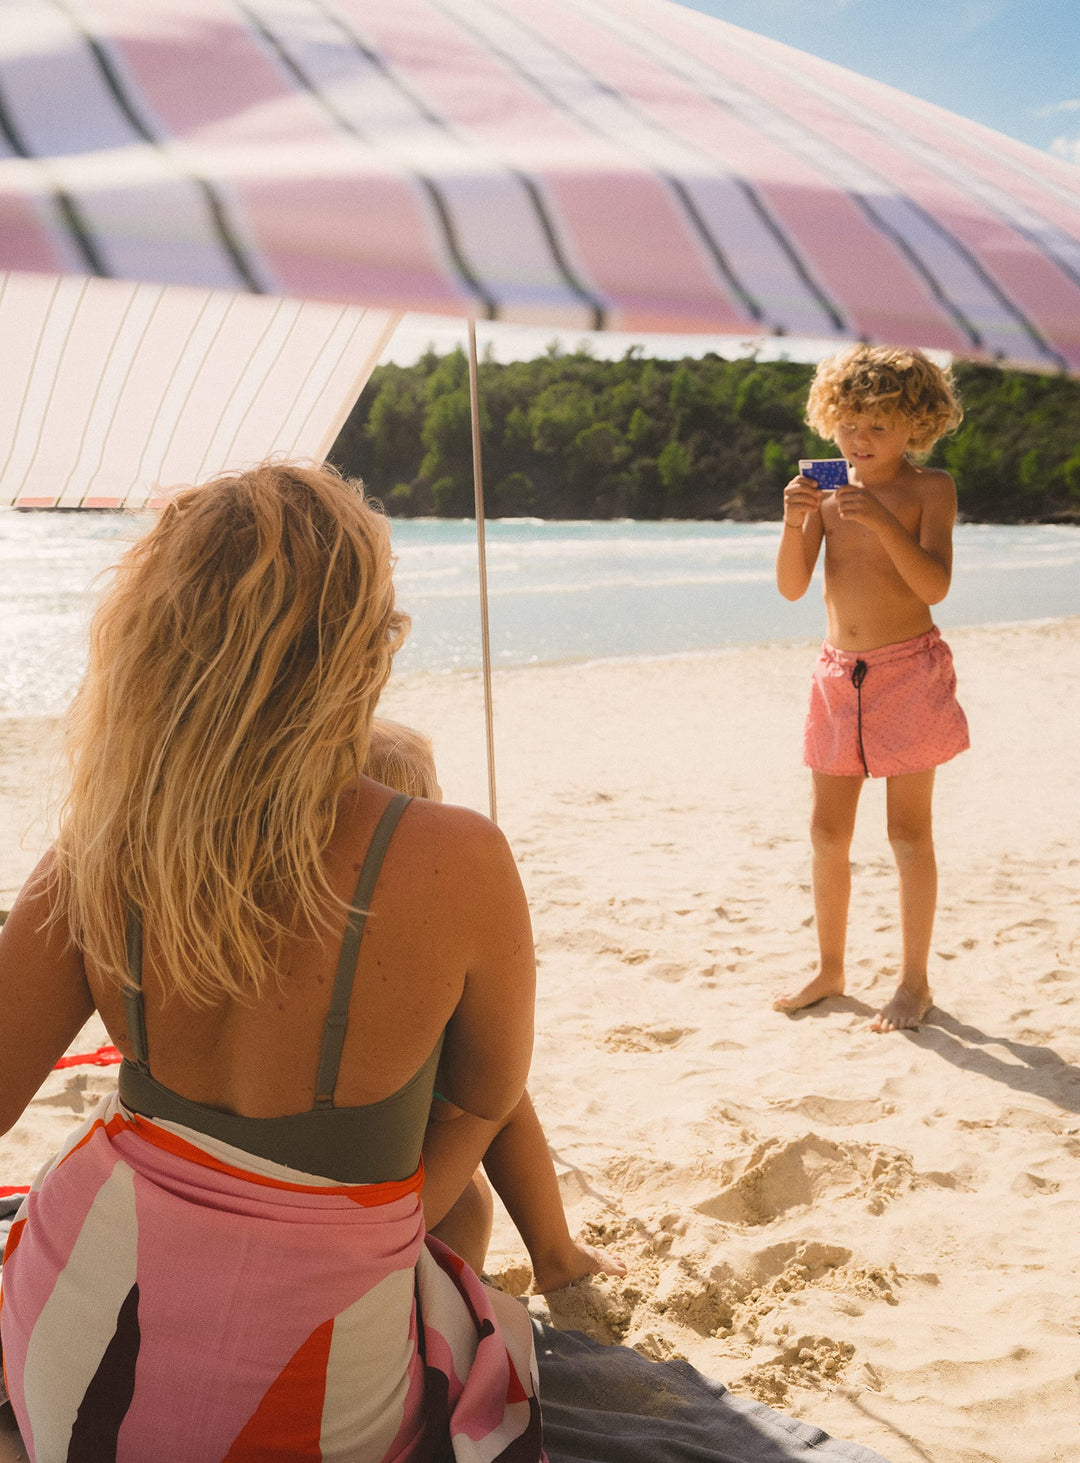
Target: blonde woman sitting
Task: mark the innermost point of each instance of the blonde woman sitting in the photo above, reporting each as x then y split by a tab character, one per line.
229	1259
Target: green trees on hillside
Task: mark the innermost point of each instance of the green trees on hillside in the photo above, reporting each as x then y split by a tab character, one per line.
569	436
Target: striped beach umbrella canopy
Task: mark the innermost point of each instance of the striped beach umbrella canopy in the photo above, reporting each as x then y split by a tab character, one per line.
630	164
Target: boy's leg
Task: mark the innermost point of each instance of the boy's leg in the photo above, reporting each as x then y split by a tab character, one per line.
832	823
908	802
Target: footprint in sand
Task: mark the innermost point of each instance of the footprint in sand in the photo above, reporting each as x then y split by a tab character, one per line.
79	1093
692	1298
837	1111
787	1269
1024	927
646	1038
723	1301
719	1300
1053	977
629	1172
1032	1185
672	972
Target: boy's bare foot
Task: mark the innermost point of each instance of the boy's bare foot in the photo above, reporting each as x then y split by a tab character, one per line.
907	1010
813	991
575	1263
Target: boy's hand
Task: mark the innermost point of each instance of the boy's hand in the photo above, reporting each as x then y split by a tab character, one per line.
802	496
857	504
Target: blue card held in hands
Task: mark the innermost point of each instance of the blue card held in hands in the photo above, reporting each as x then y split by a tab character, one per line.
827	472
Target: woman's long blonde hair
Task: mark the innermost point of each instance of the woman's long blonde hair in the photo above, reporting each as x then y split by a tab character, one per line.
235	664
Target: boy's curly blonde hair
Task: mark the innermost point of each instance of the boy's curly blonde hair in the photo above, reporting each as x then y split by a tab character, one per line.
886	379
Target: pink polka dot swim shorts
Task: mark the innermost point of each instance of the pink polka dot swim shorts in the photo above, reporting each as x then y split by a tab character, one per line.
884	712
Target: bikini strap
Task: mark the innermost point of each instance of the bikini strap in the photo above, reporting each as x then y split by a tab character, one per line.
338	1018
134	1006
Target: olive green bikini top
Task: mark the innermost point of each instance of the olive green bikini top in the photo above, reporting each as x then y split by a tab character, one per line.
373	1144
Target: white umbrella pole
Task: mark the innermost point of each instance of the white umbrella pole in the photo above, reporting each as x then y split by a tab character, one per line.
485	634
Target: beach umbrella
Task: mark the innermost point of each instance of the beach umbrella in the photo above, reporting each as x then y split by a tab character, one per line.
625	164
630	164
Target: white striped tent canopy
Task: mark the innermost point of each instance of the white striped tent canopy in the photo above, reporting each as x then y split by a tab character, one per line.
586	163
113	391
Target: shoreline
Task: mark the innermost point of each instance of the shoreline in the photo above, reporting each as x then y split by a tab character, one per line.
770	643
1068	518
30	759
873	1233
561	595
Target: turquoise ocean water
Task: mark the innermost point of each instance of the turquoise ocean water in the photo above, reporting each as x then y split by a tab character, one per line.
559	591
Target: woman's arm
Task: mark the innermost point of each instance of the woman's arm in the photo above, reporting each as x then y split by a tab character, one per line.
488	1045
44	996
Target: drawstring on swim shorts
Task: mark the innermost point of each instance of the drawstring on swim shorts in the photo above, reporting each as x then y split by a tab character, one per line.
858	675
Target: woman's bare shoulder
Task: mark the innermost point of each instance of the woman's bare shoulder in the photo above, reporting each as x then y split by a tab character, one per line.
456	839
452	820
432	838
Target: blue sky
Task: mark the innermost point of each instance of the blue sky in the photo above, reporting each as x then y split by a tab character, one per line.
1013	65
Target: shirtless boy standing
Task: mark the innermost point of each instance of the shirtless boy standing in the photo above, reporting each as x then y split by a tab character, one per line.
883	696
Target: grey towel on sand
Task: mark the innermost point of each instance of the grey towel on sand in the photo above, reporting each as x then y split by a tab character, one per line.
608	1404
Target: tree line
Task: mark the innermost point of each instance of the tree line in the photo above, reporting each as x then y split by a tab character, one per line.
570	436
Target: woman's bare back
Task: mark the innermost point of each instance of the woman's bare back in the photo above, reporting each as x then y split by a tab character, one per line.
425	932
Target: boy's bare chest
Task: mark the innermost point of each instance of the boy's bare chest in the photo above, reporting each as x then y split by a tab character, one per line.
855	556
846	536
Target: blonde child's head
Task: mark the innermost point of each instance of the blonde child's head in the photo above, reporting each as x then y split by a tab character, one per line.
883	381
402	758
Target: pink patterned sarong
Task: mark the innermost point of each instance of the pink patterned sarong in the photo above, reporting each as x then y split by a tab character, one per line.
166	1297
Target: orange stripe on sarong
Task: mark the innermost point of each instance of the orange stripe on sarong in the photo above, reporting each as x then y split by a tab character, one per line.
15	1234
290	1414
369	1196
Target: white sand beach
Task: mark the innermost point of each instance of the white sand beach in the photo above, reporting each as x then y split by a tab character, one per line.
879	1234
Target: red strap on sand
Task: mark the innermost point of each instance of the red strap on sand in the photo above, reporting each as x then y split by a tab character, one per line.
105	1056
